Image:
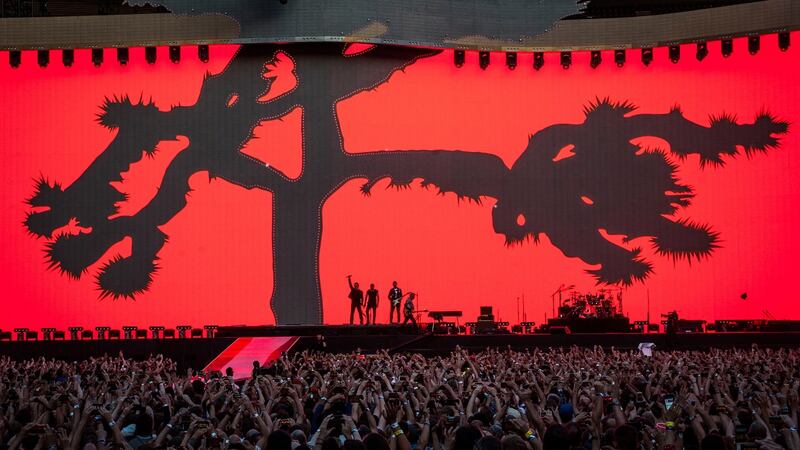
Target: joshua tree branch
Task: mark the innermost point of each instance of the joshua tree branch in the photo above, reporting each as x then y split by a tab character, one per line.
467	174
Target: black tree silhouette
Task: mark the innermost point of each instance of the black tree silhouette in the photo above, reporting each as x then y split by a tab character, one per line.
606	182
568	199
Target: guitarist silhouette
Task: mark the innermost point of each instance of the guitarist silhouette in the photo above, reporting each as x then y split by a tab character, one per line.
395	296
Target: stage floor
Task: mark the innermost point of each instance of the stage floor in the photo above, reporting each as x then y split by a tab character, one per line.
317	330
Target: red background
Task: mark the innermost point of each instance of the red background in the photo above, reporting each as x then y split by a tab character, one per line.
445	250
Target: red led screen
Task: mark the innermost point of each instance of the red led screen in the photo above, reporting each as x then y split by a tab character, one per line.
538	149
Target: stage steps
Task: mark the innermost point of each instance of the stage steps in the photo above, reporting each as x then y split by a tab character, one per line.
244	350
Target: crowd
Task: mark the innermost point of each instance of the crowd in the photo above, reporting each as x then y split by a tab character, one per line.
571	399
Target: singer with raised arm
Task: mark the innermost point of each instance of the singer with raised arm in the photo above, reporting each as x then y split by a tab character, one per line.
356	300
395	296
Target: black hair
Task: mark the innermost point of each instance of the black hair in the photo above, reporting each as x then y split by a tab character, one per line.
279	440
374	441
555	438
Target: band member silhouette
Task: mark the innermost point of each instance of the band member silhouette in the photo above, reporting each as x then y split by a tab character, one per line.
356	300
395	296
408	309
372	303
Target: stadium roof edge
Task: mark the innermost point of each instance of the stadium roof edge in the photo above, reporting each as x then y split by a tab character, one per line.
155	29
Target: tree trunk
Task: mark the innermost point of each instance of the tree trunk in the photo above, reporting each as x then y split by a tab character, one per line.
296	234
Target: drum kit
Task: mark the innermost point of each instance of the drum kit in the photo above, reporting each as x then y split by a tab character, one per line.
603	304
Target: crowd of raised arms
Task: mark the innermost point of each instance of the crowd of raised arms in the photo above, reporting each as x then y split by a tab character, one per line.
492	400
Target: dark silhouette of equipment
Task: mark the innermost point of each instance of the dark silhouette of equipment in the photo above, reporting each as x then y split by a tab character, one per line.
673	324
702	51
670	322
486	323
604	304
486	314
596	59
591	325
440	327
458	58
443	328
440	315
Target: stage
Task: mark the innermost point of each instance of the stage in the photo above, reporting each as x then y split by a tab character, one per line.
198	352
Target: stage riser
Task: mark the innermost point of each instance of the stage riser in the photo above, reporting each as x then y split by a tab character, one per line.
609	325
316	330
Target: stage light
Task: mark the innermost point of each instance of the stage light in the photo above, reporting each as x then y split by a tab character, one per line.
753	44
619	57
22	333
14	58
784	40
150	55
647	56
75	333
128	331
511	60
182	329
97	56
47	333
538	60
102	333
595	59
483	60
43	57
528	327
566	59
211	330
458	58
727	47
123	55
675	53
155	332
702	51
202	53
175	54
67	57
